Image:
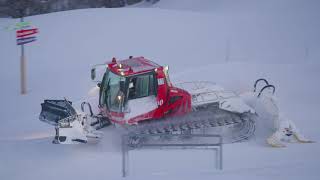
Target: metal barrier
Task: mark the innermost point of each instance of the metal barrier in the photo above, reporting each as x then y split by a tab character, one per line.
127	146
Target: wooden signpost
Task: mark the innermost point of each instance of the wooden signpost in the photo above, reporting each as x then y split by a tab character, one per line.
24	36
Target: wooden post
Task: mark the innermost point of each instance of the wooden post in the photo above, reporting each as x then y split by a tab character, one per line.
23	83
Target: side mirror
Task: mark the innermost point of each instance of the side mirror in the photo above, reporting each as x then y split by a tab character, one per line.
99	85
93	73
98	71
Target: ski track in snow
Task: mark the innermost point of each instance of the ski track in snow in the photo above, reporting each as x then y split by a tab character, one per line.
230	43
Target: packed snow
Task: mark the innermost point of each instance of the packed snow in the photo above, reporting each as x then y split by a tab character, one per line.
232	43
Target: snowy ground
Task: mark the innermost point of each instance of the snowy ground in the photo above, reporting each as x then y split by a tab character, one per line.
231	43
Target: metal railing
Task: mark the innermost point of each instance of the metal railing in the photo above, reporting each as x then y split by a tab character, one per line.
127	145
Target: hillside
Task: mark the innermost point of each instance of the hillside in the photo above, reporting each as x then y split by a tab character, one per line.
227	42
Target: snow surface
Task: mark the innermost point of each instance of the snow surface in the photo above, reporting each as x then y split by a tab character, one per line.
232	43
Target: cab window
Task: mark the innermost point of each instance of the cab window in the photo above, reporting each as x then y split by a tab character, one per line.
141	86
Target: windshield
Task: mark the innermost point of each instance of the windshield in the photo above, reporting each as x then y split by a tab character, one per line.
116	90
112	91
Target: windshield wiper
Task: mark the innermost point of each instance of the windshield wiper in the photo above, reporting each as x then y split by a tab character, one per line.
106	93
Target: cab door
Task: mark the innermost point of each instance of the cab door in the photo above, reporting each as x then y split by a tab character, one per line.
141	101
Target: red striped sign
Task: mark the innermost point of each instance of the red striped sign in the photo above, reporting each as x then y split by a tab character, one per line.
26	32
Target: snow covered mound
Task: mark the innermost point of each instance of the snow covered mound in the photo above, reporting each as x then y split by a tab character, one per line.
229	42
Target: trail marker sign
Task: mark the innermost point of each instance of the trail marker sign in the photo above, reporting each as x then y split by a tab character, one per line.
26	40
26	32
24	36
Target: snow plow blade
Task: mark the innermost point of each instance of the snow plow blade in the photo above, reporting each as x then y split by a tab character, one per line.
71	127
54	110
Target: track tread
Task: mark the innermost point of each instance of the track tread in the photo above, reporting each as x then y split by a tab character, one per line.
203	118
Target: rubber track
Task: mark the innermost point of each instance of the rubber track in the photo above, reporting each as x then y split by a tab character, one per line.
241	126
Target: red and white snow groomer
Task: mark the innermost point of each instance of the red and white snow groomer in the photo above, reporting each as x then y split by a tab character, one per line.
137	94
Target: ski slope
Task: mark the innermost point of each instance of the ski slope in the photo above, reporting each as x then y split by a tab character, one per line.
229	42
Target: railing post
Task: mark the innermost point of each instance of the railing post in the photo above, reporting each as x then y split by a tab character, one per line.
221	155
125	155
217	158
